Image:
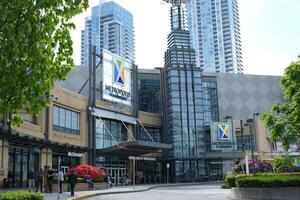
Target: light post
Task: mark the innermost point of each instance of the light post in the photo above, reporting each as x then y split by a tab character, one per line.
58	177
252	141
254	129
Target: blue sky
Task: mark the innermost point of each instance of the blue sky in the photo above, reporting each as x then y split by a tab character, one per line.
270	33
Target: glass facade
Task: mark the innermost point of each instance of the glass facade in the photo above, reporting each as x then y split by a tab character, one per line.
110	27
215	34
21	160
107	131
155	133
149	94
65	120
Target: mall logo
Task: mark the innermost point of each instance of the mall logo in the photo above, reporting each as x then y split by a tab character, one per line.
119	72
223	131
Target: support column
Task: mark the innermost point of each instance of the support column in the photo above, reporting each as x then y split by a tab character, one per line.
4	156
46	157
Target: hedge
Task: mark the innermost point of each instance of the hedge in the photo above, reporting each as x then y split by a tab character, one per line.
230	181
21	195
269	181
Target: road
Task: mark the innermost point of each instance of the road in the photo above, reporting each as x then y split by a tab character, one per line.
205	192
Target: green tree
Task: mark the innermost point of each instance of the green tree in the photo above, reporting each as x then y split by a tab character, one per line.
35	51
284	119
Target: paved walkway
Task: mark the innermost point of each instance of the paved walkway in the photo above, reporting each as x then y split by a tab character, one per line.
113	190
67	195
191	192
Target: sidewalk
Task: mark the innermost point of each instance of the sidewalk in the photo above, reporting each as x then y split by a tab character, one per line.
114	190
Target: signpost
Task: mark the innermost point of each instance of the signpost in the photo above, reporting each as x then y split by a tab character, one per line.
58	170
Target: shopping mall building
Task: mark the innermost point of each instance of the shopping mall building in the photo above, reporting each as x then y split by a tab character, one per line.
121	118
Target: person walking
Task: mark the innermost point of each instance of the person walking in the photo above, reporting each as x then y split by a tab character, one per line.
72	179
40	177
30	177
89	181
50	176
60	177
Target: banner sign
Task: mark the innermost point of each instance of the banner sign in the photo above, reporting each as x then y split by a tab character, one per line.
221	136
141	158
116	79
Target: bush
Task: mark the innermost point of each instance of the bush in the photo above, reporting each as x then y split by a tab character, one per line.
83	170
269	181
230	181
284	164
21	195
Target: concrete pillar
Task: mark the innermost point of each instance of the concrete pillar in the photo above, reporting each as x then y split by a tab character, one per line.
84	159
131	129
4	148
46	157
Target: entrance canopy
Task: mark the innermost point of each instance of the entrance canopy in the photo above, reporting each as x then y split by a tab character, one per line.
134	148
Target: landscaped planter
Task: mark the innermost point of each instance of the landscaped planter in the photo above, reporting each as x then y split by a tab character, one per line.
80	186
280	193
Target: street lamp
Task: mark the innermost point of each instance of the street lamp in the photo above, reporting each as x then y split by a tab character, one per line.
254	128
250	124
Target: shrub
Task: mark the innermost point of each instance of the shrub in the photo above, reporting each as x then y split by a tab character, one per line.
269	181
21	195
83	170
284	164
230	181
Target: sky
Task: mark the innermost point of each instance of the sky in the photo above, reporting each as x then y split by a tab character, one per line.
270	33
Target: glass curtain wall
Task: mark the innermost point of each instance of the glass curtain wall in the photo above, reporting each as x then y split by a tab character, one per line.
107	131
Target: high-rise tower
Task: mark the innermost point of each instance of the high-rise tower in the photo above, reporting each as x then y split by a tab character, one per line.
182	101
215	34
110	27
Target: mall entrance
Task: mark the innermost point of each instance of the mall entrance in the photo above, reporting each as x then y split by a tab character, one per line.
118	175
21	160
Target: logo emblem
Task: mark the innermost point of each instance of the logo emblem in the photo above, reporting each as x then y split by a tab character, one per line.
119	72
223	131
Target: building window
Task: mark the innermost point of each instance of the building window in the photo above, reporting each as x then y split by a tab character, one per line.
65	120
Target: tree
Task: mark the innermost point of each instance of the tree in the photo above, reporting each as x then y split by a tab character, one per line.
284	119
35	51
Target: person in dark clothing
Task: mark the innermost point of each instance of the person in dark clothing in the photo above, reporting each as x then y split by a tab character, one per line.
30	178
72	180
50	176
40	177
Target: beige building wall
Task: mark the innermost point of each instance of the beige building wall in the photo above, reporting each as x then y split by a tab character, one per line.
78	103
264	149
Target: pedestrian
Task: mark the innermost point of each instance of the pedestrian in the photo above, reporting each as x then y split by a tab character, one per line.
126	180
40	177
89	181
60	177
72	179
30	177
50	176
109	181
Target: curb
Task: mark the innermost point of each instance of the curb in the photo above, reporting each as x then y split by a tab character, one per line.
83	196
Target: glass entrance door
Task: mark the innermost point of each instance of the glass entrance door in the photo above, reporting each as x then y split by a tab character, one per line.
118	175
20	161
